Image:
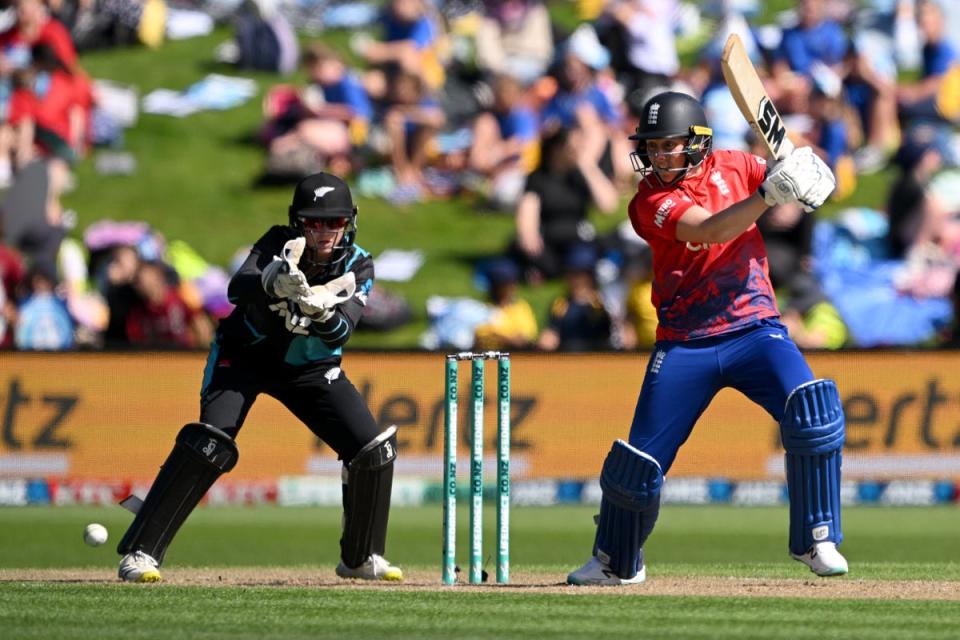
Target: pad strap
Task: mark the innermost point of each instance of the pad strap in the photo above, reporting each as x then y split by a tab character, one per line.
813	432
200	455
368	482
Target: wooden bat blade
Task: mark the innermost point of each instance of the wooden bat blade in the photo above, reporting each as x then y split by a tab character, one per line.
752	99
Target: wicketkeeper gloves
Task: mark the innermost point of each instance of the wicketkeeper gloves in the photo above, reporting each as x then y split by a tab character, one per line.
320	303
282	278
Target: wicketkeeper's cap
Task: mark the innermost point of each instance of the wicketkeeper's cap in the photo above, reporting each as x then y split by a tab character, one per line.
322	195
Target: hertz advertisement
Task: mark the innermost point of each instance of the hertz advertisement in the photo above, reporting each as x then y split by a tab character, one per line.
114	416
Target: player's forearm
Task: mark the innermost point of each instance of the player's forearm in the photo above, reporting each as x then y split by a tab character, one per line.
736	219
725	225
336	331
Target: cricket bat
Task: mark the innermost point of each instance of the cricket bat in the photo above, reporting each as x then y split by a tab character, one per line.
752	98
132	503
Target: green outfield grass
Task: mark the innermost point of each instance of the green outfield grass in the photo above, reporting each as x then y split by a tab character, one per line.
883	544
66	611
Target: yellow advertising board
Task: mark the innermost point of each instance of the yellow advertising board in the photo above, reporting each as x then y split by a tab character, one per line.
114	416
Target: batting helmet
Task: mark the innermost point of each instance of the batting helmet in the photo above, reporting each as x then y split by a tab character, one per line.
672	115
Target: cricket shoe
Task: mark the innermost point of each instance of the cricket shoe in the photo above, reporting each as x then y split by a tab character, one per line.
375	568
823	559
598	574
139	567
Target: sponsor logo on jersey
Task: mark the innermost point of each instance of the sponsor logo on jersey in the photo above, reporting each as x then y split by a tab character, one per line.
662	211
698	246
717	179
294	322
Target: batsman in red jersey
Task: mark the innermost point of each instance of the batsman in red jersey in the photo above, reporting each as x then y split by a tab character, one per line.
718	327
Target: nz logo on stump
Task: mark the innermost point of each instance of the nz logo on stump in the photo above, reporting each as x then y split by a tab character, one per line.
769	124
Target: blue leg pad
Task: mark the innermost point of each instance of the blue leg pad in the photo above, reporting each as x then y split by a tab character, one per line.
631	482
812	431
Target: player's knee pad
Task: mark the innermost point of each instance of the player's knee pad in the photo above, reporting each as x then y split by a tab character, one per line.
812	431
368	481
631	482
200	455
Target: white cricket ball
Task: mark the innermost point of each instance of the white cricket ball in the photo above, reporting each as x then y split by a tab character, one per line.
95	534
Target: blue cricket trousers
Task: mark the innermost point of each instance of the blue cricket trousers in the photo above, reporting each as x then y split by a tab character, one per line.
762	362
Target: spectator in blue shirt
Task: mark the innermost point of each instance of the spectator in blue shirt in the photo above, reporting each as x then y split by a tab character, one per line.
581	101
578	95
319	127
43	322
504	148
409	43
412	119
343	93
815	40
830	131
934	98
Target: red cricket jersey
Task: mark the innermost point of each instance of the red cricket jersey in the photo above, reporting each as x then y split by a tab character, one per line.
703	290
52	110
52	34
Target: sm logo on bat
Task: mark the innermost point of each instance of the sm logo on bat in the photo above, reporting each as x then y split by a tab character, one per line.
769	124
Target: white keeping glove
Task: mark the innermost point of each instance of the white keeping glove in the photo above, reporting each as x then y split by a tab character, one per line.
800	177
282	278
320	303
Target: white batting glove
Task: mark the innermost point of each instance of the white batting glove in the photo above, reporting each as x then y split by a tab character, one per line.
800	177
282	278
819	189
320	303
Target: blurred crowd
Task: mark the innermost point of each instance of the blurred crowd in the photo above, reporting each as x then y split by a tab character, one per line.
496	102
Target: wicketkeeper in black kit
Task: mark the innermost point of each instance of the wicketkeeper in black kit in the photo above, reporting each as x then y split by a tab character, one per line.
298	296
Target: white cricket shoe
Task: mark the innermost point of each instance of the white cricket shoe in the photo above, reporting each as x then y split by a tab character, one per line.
824	559
139	567
375	568
597	573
